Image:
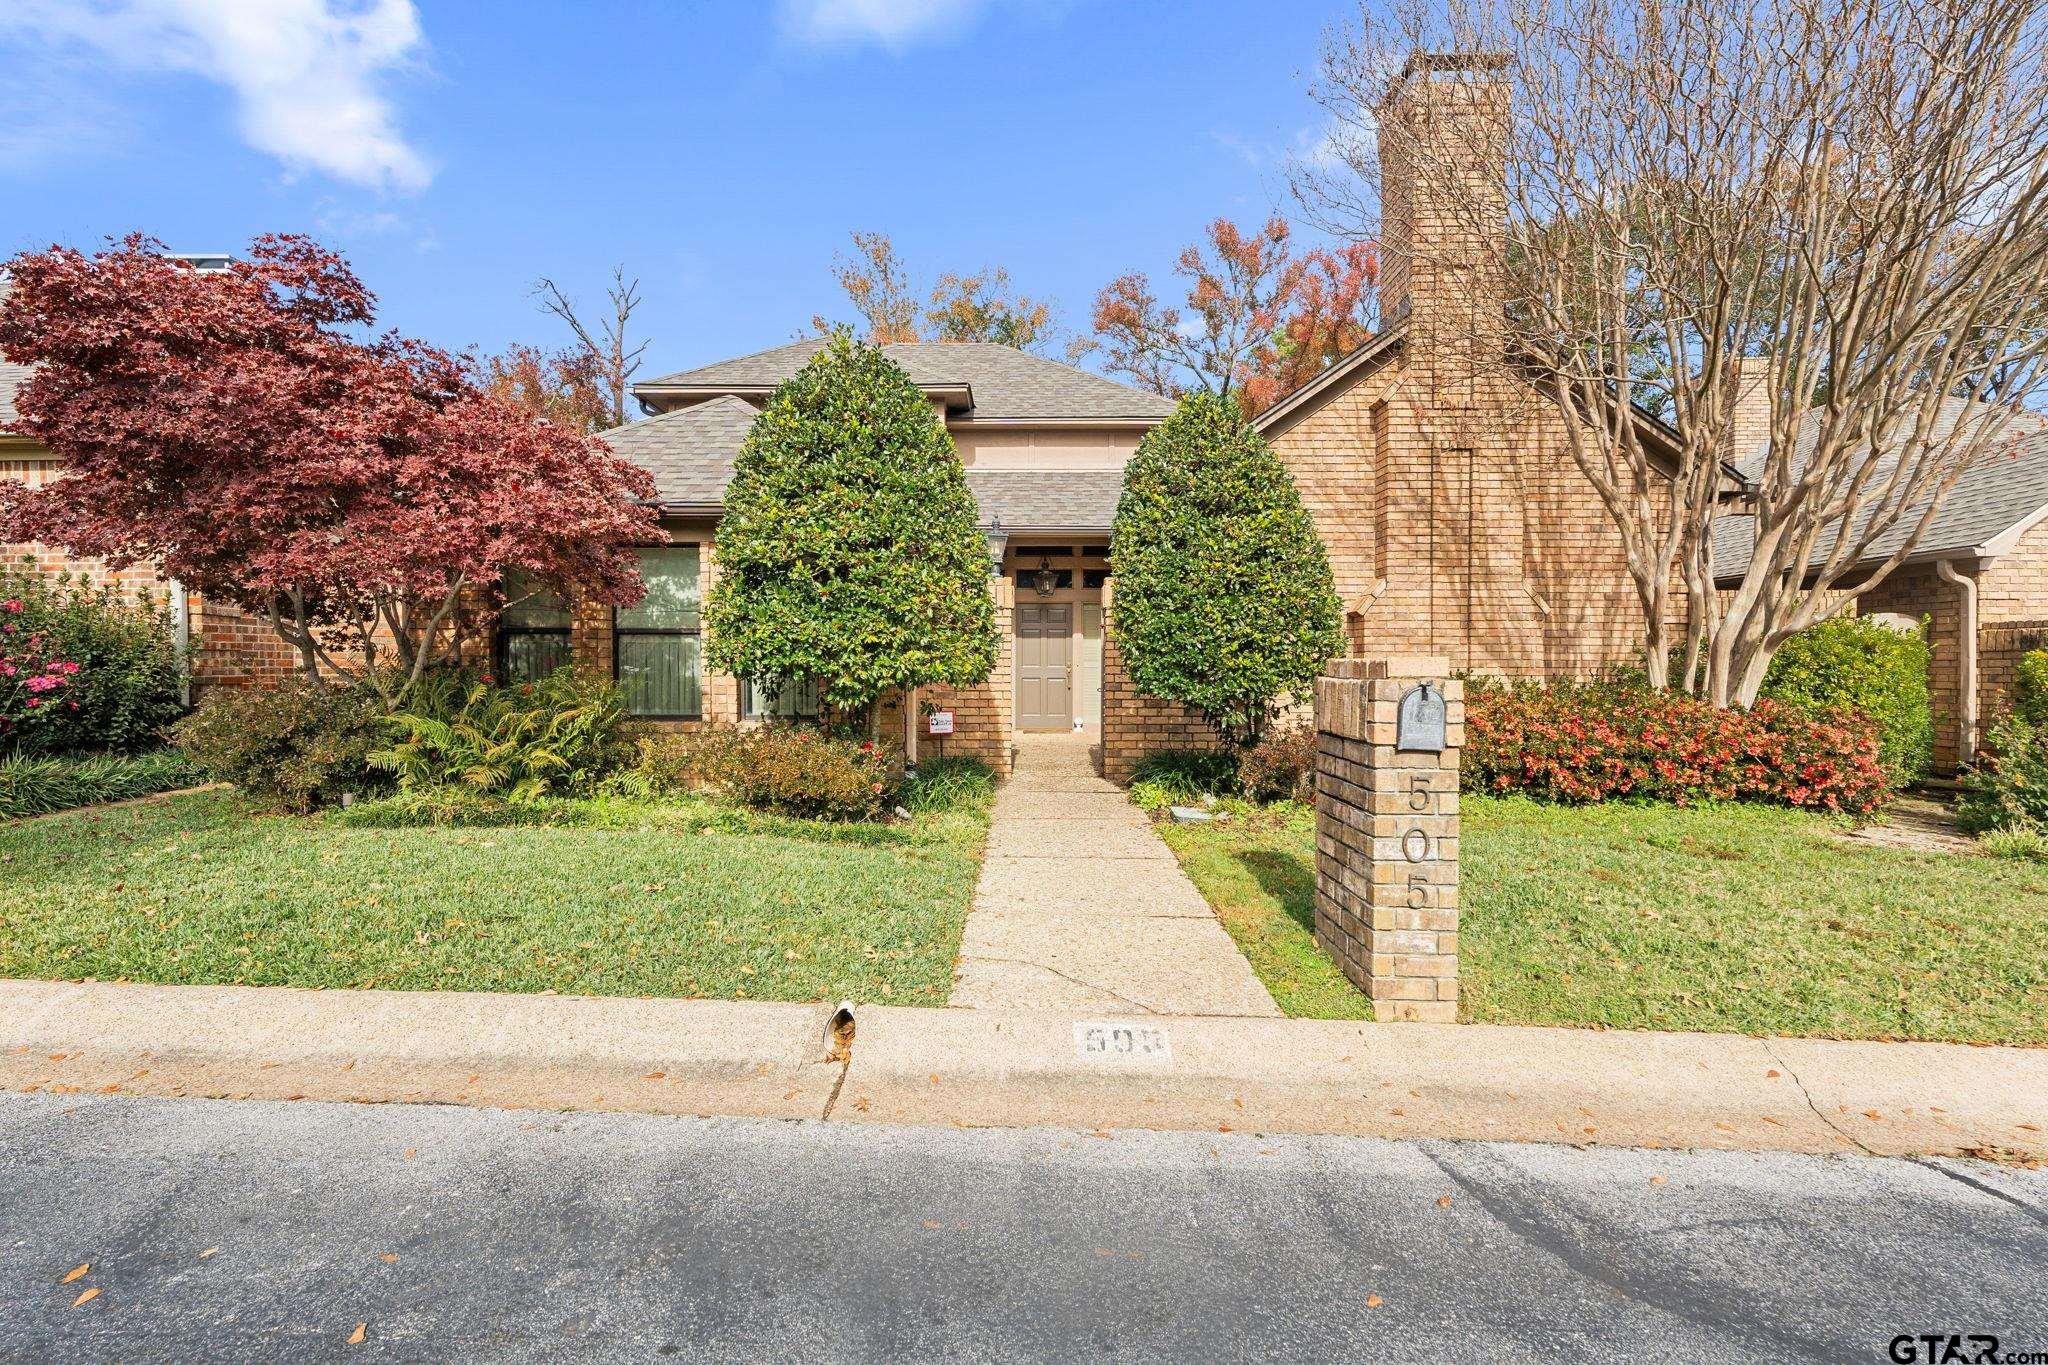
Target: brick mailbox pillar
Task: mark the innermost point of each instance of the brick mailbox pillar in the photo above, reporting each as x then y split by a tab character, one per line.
1388	732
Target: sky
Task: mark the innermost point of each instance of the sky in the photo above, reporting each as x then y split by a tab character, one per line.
720	152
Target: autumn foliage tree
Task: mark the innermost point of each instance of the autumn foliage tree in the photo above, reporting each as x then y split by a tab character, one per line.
983	306
1259	321
565	387
360	496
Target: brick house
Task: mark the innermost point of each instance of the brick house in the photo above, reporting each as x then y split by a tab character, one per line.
1978	577
1455	520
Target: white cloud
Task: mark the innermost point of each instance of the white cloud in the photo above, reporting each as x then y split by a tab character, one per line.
895	24
307	75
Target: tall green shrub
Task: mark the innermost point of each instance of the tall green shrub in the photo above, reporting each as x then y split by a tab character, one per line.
2030	687
849	551
128	685
1855	664
1223	596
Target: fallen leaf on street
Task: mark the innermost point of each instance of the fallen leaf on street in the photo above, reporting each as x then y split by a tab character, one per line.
210	1251
1443	1201
410	1152
1657	1180
355	1338
87	1297
78	1272
1372	1300
389	1258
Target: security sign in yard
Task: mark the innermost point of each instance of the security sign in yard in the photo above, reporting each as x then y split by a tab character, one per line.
1101	1040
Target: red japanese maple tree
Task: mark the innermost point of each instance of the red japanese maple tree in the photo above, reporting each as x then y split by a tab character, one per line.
237	429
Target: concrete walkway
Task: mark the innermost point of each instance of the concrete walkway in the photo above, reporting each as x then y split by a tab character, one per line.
1081	906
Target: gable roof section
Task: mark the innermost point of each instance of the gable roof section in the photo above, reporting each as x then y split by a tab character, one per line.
1000	383
1376	349
689	452
1996	499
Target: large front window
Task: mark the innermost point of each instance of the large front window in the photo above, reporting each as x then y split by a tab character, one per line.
796	701
533	631
660	641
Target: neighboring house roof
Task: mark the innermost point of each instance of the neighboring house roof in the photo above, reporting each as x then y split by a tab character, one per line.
690	454
998	383
2002	494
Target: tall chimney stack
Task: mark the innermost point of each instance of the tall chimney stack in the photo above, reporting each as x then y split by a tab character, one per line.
1443	135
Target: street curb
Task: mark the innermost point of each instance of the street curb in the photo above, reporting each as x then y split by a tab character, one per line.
700	1057
1460	1081
986	1068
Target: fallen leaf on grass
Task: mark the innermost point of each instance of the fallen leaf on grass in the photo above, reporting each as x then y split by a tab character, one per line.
355	1338
87	1297
79	1272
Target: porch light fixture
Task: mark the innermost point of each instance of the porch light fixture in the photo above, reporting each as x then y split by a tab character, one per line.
1045	577
997	538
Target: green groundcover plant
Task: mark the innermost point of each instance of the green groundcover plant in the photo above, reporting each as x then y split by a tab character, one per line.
37	786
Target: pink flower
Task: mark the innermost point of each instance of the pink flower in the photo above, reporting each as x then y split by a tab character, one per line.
12	604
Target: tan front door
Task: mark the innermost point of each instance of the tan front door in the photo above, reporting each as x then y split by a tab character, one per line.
1045	695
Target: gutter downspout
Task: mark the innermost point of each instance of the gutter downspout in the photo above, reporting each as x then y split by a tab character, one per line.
1966	665
181	639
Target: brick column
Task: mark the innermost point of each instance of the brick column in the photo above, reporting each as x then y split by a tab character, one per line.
1387	837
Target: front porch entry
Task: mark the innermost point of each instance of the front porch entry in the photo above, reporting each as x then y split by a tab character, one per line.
1057	627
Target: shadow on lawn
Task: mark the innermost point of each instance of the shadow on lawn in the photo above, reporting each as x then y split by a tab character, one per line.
1287	879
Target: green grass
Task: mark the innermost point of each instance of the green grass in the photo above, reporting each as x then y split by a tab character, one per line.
1741	919
677	899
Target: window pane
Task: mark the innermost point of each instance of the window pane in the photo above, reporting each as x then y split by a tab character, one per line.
531	657
529	604
797	700
659	674
671	601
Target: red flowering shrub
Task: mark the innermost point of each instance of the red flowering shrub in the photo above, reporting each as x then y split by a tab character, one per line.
34	682
1600	742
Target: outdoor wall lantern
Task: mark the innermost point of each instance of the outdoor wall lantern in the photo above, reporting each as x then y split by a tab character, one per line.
997	539
1045	577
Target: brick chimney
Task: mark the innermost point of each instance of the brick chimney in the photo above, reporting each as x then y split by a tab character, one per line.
1443	130
1749	420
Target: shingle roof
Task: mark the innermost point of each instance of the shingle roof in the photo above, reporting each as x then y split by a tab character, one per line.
690	453
2006	486
1048	499
1008	384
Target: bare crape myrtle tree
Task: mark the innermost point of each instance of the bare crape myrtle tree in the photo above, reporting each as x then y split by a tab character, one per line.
1844	202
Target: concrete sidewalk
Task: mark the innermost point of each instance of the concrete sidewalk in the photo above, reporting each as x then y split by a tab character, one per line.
1082	906
1004	1069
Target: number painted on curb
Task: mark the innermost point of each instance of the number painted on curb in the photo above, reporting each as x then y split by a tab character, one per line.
1101	1041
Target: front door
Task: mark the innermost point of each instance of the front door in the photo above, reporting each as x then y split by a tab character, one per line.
1044	666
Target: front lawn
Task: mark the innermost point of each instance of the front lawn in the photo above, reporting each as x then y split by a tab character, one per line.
1744	919
681	900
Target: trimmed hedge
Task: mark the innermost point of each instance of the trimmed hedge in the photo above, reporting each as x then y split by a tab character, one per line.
37	786
1852	663
786	769
1586	742
291	745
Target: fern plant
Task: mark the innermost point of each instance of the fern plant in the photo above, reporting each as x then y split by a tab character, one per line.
547	738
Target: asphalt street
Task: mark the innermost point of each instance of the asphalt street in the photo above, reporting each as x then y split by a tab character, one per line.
222	1230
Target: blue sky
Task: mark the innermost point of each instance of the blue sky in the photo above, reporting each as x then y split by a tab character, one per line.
720	151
